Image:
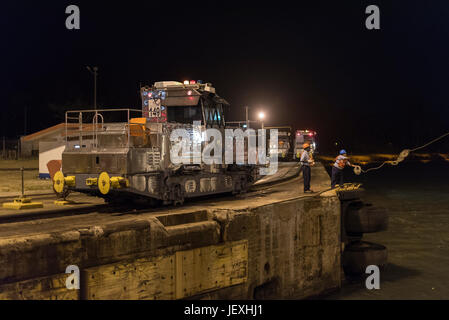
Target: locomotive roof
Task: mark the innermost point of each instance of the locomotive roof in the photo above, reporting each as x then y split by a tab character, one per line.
176	90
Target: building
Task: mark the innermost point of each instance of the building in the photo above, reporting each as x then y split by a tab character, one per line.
49	143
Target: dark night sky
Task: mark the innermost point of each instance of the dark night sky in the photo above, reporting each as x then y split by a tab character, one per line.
310	64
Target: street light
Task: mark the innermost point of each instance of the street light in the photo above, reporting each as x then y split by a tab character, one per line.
261	117
94	71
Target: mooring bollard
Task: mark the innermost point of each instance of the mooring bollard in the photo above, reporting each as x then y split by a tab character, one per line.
22	202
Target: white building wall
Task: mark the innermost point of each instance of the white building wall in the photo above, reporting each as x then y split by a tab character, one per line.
49	150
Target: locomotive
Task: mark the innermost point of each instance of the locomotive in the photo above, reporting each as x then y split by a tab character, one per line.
117	159
283	144
301	137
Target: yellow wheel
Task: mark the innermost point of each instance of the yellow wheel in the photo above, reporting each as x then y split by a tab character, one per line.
104	183
58	182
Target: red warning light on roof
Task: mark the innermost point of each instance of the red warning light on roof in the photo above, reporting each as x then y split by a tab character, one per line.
192	81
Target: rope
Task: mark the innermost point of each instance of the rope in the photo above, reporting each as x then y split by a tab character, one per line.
434	140
401	157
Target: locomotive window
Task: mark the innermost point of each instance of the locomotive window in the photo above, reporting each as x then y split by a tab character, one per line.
300	138
184	114
214	115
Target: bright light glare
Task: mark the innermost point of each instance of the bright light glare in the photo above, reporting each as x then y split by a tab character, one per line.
261	115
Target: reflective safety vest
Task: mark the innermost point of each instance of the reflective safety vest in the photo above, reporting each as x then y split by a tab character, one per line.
340	162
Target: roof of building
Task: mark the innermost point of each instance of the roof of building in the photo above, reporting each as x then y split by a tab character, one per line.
45	132
59	129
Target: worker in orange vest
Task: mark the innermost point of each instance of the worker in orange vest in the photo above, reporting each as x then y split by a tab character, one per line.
337	169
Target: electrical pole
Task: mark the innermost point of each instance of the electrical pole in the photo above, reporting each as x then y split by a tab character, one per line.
95	88
94	71
25	122
247	120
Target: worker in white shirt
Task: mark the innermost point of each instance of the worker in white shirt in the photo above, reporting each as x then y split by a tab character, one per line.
306	162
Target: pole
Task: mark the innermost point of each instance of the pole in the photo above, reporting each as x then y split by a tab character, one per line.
95	88
25	123
94	71
247	120
21	169
139	96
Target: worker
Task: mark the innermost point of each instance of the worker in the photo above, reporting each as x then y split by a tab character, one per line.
306	162
337	169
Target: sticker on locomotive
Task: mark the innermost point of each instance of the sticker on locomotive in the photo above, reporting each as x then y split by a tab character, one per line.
154	108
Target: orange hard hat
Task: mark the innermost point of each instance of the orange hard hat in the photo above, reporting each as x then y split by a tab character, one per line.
305	145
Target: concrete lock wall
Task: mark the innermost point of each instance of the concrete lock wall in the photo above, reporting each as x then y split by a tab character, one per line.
289	249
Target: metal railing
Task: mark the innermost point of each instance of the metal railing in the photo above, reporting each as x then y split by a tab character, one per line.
92	128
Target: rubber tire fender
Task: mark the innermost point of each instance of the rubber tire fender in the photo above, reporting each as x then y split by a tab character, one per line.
358	255
366	219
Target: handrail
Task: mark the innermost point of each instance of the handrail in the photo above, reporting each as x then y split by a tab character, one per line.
102	110
83	128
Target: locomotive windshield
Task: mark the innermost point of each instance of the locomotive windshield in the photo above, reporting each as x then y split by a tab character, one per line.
184	114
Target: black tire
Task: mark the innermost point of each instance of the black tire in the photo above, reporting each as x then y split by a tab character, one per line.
365	219
358	255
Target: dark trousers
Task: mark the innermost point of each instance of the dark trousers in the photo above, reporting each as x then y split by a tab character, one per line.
306	175
337	177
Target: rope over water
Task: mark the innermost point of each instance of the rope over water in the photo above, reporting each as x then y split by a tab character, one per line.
401	157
